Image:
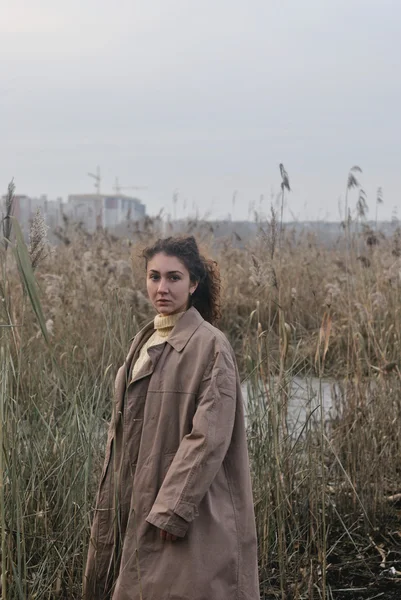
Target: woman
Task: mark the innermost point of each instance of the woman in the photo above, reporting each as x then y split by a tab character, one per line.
174	517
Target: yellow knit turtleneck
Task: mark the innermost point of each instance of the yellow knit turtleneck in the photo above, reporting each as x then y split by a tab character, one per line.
164	325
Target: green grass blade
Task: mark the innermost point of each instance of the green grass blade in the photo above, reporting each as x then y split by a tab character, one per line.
28	277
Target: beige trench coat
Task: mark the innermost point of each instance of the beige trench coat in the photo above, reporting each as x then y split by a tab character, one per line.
176	459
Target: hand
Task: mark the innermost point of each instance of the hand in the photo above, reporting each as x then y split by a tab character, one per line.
167	537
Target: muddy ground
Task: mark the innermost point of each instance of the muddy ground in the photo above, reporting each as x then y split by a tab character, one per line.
361	566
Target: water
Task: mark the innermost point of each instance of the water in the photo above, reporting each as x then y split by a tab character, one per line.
306	395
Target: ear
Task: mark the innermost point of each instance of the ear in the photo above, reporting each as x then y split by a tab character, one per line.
193	287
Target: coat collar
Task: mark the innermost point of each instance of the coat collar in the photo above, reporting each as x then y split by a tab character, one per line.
185	328
182	332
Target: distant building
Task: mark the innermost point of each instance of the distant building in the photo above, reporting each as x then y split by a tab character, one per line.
22	209
92	210
25	207
52	212
99	210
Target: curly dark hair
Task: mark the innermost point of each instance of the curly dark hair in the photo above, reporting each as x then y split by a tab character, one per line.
203	271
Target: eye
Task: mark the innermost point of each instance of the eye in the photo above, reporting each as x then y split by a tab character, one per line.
175	277
153	276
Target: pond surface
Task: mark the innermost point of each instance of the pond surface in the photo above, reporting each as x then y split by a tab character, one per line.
304	395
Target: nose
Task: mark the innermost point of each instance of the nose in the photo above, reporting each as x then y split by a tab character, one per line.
163	287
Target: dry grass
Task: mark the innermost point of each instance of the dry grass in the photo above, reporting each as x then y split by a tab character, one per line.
292	306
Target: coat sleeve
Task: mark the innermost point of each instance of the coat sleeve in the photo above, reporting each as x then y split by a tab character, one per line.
202	451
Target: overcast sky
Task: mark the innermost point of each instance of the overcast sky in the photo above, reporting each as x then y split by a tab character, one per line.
205	97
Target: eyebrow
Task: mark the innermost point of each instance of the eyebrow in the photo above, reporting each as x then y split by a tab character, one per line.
168	272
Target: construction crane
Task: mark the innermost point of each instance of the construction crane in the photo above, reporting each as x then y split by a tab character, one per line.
97	177
119	188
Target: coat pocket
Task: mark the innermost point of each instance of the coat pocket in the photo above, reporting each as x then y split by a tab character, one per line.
150	479
132	433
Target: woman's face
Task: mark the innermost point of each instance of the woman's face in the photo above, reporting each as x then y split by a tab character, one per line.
168	284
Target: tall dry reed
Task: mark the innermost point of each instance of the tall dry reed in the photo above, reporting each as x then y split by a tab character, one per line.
293	308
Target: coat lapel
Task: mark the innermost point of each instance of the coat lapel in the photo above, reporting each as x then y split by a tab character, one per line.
122	376
184	329
154	353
